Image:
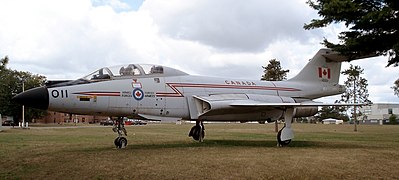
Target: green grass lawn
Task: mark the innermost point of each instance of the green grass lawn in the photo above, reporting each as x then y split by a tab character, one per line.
230	151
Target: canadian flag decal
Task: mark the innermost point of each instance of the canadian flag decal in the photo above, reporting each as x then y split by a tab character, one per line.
324	73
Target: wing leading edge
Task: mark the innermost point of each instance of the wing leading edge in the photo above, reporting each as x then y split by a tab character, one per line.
252	103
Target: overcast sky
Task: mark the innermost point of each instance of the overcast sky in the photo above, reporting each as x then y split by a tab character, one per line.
67	39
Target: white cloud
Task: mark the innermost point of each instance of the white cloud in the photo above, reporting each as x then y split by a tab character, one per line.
244	26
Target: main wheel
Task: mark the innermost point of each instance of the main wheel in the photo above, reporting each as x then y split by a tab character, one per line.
191	133
280	142
195	133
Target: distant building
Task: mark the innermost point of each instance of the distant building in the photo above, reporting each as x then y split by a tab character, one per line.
59	118
379	113
332	121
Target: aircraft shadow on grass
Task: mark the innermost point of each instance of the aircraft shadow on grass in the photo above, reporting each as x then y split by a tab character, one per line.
223	143
246	143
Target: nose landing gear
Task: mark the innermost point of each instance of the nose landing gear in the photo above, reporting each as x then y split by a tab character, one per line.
119	127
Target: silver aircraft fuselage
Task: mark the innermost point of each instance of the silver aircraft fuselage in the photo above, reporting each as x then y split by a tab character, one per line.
161	93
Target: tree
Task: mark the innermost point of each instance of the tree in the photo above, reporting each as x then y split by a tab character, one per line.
10	85
372	26
392	119
356	90
3	63
396	87
274	72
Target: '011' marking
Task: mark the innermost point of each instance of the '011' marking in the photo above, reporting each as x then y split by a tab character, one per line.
59	93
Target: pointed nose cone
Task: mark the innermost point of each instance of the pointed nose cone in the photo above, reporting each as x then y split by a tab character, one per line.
36	98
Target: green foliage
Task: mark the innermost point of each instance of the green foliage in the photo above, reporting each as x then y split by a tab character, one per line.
274	72
10	85
356	89
3	63
372	26
396	87
392	119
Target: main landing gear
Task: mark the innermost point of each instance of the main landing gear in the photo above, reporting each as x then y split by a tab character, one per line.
198	131
285	135
119	127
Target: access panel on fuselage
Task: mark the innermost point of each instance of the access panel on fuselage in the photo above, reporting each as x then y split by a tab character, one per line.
175	98
145	97
120	97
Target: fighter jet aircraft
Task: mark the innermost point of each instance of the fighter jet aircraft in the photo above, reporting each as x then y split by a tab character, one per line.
161	93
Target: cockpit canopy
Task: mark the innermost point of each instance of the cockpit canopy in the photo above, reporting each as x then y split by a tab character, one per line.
129	71
132	70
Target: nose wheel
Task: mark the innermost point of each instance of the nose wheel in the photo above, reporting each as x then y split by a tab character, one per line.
120	142
119	127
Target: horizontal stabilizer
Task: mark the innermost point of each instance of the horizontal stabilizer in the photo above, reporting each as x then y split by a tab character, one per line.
337	57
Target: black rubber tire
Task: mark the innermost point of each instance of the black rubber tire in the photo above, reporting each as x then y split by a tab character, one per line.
196	133
116	142
191	133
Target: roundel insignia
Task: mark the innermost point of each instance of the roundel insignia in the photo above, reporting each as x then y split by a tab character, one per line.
138	94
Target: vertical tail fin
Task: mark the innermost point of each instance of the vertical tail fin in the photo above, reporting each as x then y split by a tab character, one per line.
325	66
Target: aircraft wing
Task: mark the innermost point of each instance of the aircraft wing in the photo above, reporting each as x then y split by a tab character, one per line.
303	104
232	103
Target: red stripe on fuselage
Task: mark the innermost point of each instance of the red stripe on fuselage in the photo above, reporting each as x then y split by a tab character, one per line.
100	93
177	93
